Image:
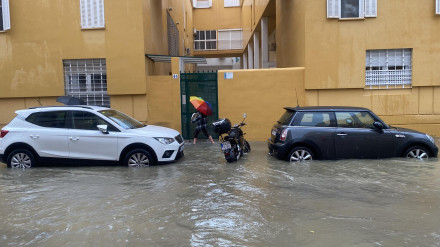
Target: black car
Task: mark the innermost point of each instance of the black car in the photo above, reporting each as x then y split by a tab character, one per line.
307	133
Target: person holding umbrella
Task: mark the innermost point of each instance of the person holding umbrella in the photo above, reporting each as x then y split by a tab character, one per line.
203	110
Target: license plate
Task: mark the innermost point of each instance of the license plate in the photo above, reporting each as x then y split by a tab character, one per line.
226	145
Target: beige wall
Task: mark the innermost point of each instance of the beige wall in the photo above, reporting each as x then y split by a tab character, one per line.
249	92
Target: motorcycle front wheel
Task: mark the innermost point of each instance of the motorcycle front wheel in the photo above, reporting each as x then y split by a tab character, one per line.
247	147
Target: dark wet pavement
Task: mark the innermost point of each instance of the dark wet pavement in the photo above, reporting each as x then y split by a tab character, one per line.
204	201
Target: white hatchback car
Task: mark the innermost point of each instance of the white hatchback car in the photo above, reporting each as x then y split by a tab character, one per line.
85	134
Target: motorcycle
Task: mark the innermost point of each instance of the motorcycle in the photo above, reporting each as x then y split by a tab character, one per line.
233	144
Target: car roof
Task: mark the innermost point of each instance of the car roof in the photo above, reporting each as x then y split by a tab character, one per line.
28	111
326	108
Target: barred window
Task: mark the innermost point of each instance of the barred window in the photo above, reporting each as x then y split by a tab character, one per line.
388	68
92	13
87	79
205	40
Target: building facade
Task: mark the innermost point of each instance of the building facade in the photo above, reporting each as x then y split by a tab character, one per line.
379	54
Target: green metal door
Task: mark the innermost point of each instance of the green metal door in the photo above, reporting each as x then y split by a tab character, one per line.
203	85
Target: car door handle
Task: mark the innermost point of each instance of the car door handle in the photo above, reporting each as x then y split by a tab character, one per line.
74	138
341	134
34	136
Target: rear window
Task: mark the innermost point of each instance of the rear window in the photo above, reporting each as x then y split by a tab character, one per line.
286	118
51	119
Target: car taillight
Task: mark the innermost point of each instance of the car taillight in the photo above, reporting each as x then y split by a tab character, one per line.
3	133
283	135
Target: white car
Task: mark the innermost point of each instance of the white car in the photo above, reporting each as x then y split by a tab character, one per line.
85	134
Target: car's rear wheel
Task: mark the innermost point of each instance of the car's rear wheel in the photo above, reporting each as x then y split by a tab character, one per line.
299	154
21	158
138	158
417	153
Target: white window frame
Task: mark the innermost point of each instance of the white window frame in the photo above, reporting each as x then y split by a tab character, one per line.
367	9
225	41
87	79
202	4
92	14
388	68
231	3
437	7
6	18
205	40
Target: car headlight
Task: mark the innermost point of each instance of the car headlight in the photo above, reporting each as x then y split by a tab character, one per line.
430	138
164	140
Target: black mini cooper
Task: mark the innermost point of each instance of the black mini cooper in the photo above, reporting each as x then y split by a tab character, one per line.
307	133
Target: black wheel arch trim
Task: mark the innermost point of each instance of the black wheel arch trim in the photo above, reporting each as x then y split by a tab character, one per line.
407	146
133	146
313	147
20	145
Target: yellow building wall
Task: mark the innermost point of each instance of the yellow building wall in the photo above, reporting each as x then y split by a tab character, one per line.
249	92
43	33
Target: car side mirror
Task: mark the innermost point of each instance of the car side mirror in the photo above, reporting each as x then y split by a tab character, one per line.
103	128
378	125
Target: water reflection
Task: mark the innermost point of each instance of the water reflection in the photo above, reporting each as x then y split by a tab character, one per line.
203	201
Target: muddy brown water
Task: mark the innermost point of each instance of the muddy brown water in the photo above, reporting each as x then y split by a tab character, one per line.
204	201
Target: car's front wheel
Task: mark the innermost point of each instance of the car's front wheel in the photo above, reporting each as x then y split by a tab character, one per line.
138	158
299	154
21	158
417	153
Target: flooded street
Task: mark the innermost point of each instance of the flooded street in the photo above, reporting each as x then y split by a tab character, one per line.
203	201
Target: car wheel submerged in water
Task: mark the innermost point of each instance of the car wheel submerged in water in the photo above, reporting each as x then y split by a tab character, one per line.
299	154
417	153
138	158
21	158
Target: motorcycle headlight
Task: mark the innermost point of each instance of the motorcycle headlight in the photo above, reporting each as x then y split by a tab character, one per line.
164	140
430	138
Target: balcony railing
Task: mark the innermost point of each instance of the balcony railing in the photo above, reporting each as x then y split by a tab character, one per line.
395	78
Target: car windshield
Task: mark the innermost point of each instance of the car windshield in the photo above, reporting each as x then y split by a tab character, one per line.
286	118
122	120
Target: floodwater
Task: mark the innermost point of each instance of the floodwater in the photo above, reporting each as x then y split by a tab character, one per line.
204	201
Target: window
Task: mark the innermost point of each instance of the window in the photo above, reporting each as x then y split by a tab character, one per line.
232	3
202	4
87	79
5	23
89	121
92	13
51	119
354	120
437	7
205	40
315	119
345	9
230	39
390	68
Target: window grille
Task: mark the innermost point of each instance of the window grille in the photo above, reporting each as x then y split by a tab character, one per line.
205	40
232	3
173	37
92	13
202	4
390	68
230	39
5	21
87	79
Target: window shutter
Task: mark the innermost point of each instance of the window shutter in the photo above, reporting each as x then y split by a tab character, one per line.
371	8
195	3
231	3
333	8
437	7
92	13
210	3
6	16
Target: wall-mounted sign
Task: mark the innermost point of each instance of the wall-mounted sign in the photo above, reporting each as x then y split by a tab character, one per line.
229	75
175	76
